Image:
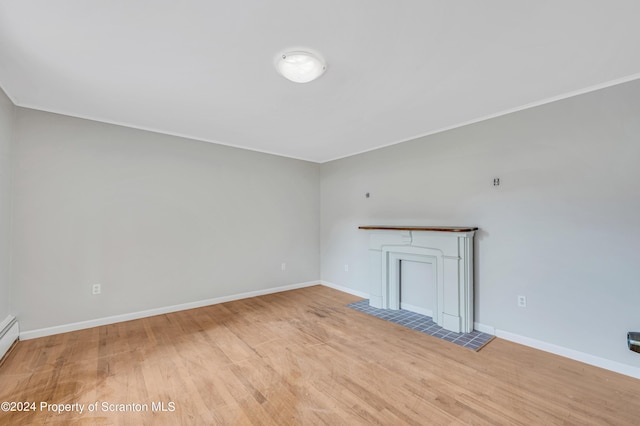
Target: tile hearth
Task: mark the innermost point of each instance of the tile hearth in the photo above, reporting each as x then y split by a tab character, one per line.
424	324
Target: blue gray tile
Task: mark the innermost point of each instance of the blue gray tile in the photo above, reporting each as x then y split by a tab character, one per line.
424	324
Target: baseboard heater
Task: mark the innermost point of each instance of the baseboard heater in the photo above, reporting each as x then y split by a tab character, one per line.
9	332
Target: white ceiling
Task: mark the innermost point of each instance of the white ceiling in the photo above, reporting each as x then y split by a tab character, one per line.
396	69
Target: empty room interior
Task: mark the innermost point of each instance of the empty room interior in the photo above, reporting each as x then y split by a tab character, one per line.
365	212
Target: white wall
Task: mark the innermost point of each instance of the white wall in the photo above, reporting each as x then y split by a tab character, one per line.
562	229
157	220
6	135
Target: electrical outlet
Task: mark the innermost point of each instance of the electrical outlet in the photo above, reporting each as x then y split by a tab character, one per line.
283	266
96	289
346	268
522	301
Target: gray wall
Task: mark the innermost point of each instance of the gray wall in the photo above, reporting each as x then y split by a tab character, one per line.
562	229
160	220
6	135
157	220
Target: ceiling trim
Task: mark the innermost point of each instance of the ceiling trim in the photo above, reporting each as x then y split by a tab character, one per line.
6	92
552	99
443	129
160	132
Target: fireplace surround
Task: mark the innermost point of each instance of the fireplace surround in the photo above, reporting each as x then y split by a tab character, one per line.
450	252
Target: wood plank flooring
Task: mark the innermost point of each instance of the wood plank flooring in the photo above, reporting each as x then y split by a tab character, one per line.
300	357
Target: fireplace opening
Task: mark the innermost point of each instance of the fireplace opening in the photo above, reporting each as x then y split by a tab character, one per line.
417	287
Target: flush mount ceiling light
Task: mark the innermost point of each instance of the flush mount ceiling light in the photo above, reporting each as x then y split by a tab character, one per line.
300	67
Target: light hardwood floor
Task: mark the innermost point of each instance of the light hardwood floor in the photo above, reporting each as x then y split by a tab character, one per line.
302	357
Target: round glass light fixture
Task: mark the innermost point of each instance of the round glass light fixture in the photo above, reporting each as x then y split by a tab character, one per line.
300	67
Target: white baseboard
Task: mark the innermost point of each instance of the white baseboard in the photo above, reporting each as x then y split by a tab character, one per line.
484	328
416	309
49	331
13	333
607	364
345	289
9	332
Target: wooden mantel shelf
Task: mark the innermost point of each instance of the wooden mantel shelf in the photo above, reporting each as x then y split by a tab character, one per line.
421	228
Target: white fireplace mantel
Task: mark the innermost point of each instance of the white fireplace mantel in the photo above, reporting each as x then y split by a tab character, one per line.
448	249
